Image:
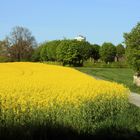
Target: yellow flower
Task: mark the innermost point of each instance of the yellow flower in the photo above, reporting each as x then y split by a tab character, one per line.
32	88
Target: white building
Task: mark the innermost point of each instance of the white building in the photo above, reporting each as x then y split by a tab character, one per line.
80	38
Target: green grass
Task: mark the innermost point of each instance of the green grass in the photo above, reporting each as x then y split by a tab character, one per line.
121	64
119	75
125	126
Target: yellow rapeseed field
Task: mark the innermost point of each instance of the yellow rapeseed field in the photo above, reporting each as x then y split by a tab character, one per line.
38	93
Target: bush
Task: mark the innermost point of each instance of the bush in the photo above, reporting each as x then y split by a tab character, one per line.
94	52
36	55
120	51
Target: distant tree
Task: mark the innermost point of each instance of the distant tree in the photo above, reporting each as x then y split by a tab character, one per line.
120	51
36	54
132	41
66	52
51	49
43	52
73	52
21	44
94	51
48	51
108	52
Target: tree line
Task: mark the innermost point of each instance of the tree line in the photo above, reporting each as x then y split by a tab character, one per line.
18	46
21	45
74	53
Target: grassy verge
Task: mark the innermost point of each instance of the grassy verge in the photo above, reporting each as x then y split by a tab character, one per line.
122	64
119	75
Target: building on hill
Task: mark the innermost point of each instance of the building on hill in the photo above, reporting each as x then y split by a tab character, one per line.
80	38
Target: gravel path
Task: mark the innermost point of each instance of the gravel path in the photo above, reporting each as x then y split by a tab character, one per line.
135	99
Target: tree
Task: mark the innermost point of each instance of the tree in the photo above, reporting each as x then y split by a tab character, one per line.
36	54
43	52
94	51
48	51
132	41
107	52
4	51
73	52
120	51
21	44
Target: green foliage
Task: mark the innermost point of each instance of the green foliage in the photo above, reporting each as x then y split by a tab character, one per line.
73	52
132	41
21	44
94	51
48	51
36	54
68	52
120	50
108	52
51	49
43	53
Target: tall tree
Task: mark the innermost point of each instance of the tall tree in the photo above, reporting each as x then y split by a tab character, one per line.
108	52
36	54
94	52
132	41
120	51
73	52
21	44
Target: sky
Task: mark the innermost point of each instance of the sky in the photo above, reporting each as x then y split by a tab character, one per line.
98	20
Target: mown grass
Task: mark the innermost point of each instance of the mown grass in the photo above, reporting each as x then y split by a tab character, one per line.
120	75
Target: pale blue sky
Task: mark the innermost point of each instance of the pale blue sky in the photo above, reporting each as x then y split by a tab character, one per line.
98	20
